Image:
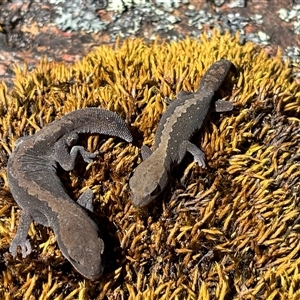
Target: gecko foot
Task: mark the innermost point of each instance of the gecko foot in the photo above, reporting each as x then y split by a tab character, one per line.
87	156
25	247
20	237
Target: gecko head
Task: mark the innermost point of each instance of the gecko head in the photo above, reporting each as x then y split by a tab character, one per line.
81	245
148	181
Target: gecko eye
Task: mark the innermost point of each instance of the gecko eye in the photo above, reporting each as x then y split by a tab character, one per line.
156	192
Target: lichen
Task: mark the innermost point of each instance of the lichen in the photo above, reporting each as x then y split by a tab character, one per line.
225	232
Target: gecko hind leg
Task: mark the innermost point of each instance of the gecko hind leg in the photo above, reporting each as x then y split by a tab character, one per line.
67	158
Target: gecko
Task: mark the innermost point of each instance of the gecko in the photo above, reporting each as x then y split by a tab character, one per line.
37	189
183	117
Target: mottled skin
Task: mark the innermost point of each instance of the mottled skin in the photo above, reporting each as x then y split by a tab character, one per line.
183	117
39	192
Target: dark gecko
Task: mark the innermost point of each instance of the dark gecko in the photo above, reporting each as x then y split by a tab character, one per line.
183	117
37	189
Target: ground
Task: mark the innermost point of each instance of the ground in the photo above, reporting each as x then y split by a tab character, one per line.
29	32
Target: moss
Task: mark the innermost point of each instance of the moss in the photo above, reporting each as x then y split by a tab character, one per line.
225	232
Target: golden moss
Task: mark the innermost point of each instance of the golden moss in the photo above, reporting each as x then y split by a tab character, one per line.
226	232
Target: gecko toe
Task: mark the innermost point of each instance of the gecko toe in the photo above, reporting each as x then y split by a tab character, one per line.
13	250
26	248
